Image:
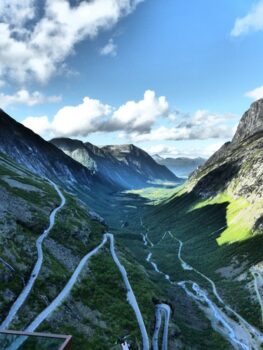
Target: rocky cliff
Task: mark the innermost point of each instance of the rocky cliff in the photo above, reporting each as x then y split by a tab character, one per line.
237	167
251	122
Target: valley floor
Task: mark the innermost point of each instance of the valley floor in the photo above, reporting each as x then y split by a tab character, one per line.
166	277
180	247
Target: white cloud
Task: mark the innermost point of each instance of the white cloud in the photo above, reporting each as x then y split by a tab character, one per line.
17	12
252	22
136	121
255	94
31	47
94	116
26	98
139	116
110	49
39	125
163	150
166	151
2	83
202	125
80	120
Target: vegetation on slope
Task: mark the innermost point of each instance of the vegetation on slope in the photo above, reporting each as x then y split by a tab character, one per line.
97	311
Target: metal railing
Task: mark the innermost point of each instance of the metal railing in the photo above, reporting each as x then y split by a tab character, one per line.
37	341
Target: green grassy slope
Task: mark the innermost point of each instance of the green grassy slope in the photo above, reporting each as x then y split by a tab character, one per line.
219	241
96	311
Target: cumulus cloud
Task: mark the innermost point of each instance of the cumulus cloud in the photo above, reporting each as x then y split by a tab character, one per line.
139	116
40	125
136	121
17	12
26	98
94	116
32	47
255	94
252	22
80	120
202	125
110	49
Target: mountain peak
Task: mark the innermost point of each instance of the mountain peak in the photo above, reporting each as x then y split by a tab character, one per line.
66	142
251	122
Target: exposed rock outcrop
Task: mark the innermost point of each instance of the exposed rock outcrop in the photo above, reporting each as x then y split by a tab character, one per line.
250	123
237	167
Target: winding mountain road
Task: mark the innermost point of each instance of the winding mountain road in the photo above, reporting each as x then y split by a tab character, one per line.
156	268
240	333
70	284
258	285
220	321
161	311
35	272
130	294
248	335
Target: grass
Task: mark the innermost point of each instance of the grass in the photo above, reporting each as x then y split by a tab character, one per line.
240	217
197	222
97	311
100	288
106	314
155	195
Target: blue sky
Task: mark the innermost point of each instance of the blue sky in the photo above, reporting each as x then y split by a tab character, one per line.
173	77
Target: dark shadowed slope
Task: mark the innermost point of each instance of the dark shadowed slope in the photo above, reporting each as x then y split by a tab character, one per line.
44	159
141	162
126	165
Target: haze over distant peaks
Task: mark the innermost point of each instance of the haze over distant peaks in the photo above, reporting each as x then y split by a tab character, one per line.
181	166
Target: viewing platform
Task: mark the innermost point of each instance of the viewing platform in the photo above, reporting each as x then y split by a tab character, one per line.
35	341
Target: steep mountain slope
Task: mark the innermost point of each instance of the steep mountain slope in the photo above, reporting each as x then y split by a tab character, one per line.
140	161
96	311
43	158
237	167
207	236
126	165
180	166
197	248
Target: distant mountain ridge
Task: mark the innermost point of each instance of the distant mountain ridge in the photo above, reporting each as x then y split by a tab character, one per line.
180	166
126	165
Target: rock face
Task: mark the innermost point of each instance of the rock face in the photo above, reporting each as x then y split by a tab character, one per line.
43	158
126	165
237	166
250	123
